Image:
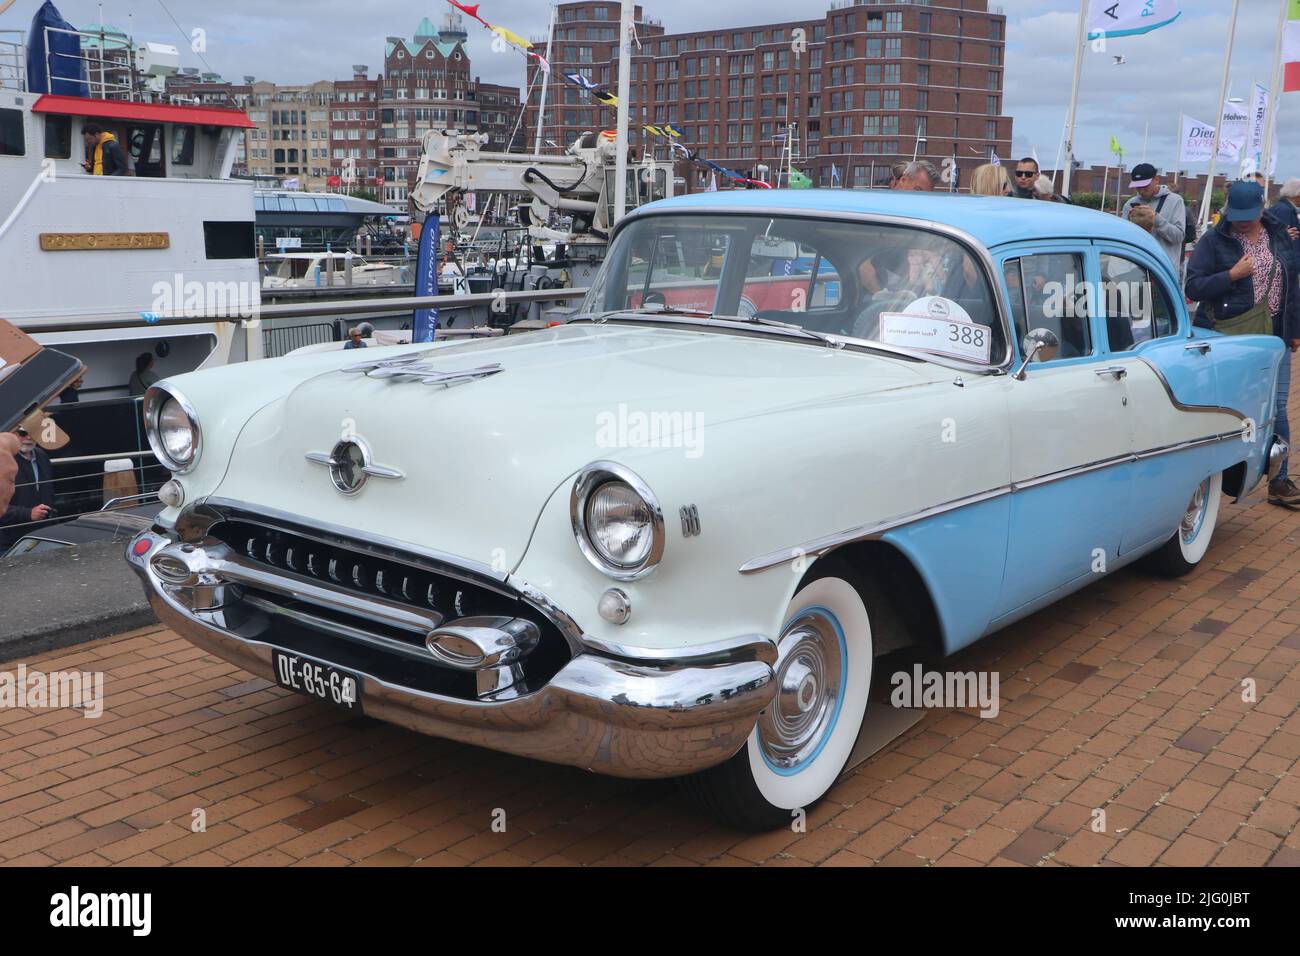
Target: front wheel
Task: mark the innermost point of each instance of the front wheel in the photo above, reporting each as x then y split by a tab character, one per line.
803	739
1187	547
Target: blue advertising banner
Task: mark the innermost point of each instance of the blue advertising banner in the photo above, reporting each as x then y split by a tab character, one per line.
425	322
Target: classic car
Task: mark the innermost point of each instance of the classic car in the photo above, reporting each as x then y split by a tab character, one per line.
787	432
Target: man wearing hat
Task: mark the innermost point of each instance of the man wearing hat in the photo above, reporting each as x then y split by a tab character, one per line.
33	497
1248	262
1171	216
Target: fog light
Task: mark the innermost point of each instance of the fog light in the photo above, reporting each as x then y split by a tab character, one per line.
172	494
614	606
142	546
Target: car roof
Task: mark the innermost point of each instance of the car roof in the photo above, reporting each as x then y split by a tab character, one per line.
993	220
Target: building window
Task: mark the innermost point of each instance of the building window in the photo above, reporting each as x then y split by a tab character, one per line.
894	22
990	129
993	109
924	26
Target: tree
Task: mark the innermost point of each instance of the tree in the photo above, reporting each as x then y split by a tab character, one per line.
364	194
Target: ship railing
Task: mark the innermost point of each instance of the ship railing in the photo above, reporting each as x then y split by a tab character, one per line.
13	61
109	75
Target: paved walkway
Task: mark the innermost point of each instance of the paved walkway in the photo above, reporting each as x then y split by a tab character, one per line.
1126	697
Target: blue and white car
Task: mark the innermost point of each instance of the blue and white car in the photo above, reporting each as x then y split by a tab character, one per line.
788	432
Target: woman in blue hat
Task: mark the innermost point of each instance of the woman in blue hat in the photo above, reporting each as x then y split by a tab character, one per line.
1243	273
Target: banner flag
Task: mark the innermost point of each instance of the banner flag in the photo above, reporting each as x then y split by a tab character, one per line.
424	323
1128	18
1291	49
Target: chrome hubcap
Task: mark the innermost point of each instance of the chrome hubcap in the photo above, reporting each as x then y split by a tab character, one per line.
1195	515
808	672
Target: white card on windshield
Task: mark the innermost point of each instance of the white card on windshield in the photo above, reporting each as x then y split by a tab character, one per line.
963	340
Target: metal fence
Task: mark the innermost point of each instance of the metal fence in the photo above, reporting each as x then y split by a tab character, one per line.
281	341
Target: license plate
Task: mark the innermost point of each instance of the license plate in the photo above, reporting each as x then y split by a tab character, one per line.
316	679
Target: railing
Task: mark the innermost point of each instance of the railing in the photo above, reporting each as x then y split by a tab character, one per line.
13	61
282	341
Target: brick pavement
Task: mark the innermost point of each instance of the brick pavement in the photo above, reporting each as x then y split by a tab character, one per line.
1126	697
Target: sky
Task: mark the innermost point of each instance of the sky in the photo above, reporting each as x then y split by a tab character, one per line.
1175	69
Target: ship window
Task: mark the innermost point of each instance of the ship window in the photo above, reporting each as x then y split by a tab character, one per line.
229	240
58	137
183	146
11	133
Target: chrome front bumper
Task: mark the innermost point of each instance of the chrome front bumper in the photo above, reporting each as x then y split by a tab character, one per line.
613	716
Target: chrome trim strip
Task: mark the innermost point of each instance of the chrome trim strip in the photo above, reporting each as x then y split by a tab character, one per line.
1173	399
819	546
339	629
973	245
730	650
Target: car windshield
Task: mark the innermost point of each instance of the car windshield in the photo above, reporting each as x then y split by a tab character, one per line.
899	286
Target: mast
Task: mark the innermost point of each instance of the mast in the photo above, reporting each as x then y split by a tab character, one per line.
546	76
1218	127
1080	37
624	94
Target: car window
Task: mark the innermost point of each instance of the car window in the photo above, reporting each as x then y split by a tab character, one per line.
1136	306
900	286
1047	291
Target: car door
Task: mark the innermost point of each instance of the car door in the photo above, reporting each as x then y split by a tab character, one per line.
1145	327
1071	437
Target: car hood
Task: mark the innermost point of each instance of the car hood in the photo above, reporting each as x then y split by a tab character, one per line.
480	458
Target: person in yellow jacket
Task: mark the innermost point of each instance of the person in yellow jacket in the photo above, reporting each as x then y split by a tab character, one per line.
106	156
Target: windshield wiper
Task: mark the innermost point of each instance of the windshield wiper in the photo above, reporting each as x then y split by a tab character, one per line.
777	324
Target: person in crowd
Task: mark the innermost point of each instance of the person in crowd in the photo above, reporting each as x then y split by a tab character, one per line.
143	376
1144	217
919	176
33	496
8	468
1248	260
990	180
104	151
896	173
1025	177
355	341
1171	217
72	393
1284	210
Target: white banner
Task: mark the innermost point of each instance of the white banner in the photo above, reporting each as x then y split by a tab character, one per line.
1235	130
1126	18
1258	116
1196	141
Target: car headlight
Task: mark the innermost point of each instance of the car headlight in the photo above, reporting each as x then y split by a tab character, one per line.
617	521
172	427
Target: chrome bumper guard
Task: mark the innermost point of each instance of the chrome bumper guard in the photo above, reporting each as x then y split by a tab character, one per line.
624	718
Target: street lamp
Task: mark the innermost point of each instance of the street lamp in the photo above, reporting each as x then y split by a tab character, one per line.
917	148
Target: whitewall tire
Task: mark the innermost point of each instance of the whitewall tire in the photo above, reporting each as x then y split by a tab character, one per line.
1184	551
803	739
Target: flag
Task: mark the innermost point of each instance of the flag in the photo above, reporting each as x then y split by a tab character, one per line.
713	183
291	184
1291	49
542	63
995	161
835	175
471	9
655	130
424	322
604	96
511	37
1258	116
1033	151
673	131
799	181
1127	18
1115	147
580	80
1233	133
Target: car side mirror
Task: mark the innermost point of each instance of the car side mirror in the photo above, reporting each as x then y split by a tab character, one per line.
1041	344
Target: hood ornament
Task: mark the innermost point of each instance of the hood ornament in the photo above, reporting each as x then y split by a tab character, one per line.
412	367
350	464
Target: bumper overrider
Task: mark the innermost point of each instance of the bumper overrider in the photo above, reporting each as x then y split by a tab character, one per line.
606	708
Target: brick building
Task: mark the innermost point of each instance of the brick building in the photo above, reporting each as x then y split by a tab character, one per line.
427	84
355	159
861	86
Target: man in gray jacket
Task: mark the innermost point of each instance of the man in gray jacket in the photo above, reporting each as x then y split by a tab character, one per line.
1171	217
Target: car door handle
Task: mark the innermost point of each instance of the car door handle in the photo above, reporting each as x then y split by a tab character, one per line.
1201	347
1119	371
